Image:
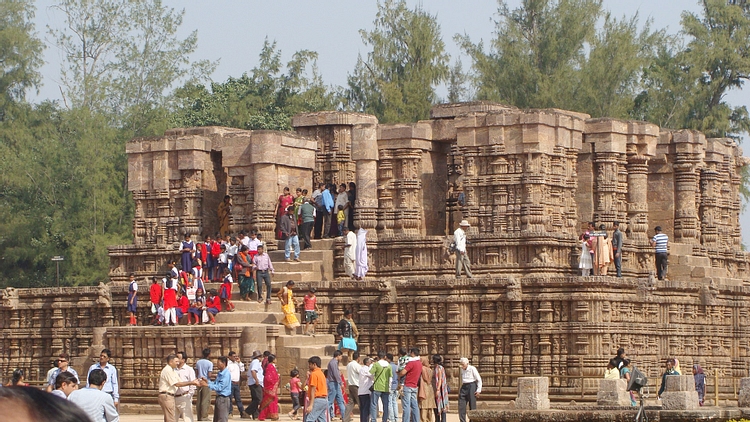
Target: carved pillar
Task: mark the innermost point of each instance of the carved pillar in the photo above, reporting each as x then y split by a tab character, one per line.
264	199
365	156
637	197
688	147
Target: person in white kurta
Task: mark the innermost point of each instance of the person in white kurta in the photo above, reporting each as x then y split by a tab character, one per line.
350	253
585	263
361	268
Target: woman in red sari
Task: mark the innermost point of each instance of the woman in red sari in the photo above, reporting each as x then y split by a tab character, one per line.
285	200
269	406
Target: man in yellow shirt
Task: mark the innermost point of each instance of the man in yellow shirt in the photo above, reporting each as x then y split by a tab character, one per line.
169	382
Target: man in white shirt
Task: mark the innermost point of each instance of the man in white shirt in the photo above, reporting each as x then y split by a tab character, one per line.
183	397
234	370
342	199
352	381
462	258
350	251
244	239
98	405
471	386
255	382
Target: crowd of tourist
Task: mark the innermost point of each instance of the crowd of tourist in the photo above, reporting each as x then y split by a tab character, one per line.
599	250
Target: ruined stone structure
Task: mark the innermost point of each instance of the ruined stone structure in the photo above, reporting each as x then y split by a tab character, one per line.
526	180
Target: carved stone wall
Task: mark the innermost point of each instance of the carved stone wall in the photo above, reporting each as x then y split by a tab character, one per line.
179	180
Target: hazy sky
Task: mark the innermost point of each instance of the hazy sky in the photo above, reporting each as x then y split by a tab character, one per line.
233	32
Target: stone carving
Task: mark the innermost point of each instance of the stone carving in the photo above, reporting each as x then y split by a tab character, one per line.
104	296
10	298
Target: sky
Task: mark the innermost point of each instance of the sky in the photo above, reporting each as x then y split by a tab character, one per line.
233	32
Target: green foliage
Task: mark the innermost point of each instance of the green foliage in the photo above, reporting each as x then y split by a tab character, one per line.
20	53
685	87
397	81
265	99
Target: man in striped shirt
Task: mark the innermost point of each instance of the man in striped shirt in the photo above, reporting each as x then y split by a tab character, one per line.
659	242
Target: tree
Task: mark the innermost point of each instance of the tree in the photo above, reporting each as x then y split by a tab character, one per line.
265	99
534	60
397	81
123	57
20	52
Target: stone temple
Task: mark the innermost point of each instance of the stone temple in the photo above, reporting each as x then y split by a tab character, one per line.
526	180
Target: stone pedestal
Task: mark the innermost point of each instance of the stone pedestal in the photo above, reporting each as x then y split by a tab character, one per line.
744	399
613	393
532	393
680	393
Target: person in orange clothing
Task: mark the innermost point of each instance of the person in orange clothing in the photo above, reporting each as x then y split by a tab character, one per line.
317	392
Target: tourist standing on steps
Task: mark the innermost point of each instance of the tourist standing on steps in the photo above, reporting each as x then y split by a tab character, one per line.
471	387
317	392
350	251
669	370
307	214
462	258
352	193
365	394
440	385
333	381
132	299
347	329
352	385
169	382
342	203
426	393
285	200
263	271
585	263
381	379
700	383
288	228
288	304
223	387
183	397
188	248
617	248
311	311
111	386
204	368
660	242
328	194
62	366
235	367
255	383
393	390
412	372
98	405
317	201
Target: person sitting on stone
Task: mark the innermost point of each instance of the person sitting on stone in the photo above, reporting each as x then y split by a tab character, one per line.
669	370
612	373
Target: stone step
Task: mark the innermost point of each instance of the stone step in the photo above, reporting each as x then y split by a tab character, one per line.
302	340
294	266
307	255
249	317
317	244
297	277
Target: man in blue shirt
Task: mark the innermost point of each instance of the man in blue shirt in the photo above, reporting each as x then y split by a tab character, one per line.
223	387
111	386
98	405
62	365
203	369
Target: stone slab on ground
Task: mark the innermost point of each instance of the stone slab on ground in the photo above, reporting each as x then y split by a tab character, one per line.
744	396
533	393
613	393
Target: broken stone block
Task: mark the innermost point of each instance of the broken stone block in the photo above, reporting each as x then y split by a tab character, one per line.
533	393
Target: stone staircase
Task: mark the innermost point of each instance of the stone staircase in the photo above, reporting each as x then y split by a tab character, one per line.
291	347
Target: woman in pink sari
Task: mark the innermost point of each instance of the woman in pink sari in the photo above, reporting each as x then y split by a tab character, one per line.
269	406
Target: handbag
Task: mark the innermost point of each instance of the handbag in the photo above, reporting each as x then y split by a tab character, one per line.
204	318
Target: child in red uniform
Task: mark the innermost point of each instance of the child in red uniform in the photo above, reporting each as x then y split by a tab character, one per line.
183	304
170	302
155	295
226	291
213	305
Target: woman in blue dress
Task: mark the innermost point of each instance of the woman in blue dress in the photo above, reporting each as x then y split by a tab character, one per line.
187	247
132	299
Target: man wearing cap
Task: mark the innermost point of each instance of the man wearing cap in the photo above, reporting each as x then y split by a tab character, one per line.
462	258
617	248
659	242
255	383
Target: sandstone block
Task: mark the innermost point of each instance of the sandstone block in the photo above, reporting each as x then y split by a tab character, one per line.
744	398
533	393
680	383
679	400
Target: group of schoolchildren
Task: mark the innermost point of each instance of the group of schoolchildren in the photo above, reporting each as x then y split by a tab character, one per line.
183	293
